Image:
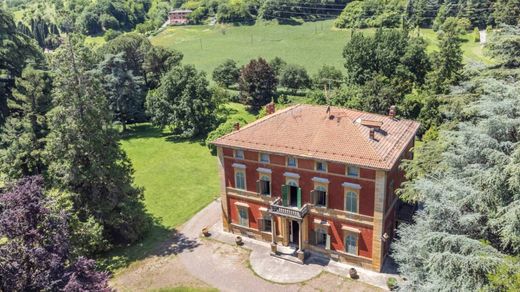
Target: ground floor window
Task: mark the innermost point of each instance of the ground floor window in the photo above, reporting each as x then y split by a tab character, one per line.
265	224
321	238
351	244
243	217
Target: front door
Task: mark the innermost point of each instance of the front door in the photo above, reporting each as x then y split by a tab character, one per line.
295	232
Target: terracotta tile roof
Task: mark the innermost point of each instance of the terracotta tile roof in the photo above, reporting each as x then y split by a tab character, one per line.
309	131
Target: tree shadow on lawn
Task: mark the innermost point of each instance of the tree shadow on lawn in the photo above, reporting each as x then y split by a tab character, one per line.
159	241
144	130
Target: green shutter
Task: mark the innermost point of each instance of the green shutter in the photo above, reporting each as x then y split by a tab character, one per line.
285	195
299	198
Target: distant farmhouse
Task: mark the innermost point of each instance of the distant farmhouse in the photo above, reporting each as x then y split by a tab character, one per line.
178	16
317	178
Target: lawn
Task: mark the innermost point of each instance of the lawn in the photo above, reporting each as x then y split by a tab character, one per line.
179	179
311	44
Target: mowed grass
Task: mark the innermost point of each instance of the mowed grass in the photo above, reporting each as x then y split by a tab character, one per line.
311	44
179	179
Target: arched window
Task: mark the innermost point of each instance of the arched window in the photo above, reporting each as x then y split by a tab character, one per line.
240	180
292	183
351	202
351	242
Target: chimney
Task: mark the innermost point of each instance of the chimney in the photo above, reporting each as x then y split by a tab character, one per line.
392	112
236	126
270	108
372	133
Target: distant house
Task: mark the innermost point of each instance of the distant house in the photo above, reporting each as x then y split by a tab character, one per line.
178	16
316	178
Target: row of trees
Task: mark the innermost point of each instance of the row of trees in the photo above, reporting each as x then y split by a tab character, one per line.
467	236
427	13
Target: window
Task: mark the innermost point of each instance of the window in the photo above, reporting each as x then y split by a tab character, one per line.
353	171
264	157
321	237
239	154
291	161
240	180
321	166
351	242
320	196
243	216
351	202
265	224
264	187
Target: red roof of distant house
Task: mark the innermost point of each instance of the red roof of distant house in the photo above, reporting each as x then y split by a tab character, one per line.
340	136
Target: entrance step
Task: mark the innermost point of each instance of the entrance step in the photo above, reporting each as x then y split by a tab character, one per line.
286	250
290	258
289	253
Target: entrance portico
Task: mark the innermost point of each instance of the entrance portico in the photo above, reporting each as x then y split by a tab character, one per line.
292	224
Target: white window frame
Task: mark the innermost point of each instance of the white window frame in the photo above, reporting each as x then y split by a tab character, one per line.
355	236
243	173
323	163
322	188
263	161
266	177
353	166
240	219
266	219
317	233
356	193
239	151
295	162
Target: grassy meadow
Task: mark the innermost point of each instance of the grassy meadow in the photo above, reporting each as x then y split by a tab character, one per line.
311	44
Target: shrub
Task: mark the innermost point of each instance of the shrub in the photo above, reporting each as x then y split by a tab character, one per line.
223	129
391	283
227	73
476	35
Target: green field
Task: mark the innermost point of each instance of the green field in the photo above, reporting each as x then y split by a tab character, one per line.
311	44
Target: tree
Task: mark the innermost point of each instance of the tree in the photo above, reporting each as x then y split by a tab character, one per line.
227	73
257	83
295	77
16	51
34	248
504	45
507	12
277	64
22	138
142	58
328	77
448	61
124	90
83	154
467	181
183	102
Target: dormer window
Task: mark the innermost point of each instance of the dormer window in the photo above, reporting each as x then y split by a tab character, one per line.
291	161
321	166
352	171
264	157
239	154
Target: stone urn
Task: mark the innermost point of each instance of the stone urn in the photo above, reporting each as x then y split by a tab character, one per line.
353	273
205	231
238	240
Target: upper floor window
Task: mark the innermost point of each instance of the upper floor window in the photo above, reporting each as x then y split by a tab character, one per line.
264	185
320	196
321	166
239	154
351	244
264	157
353	171
351	202
291	161
240	180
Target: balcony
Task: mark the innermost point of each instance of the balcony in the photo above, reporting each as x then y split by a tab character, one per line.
276	208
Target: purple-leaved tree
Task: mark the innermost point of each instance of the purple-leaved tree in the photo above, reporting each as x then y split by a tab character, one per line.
34	245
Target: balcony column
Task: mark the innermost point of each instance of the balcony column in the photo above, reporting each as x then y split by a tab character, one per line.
273	229
300	237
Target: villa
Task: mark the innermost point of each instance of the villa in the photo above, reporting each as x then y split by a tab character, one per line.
316	179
